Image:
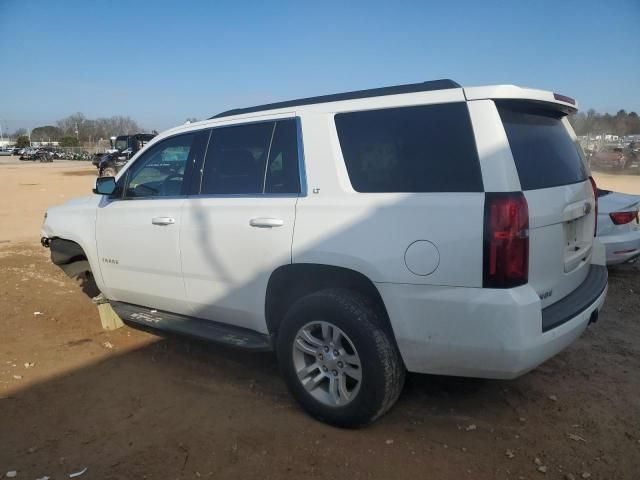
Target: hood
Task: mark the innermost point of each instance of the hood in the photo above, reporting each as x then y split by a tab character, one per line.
91	200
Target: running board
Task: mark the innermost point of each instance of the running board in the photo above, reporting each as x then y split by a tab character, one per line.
146	318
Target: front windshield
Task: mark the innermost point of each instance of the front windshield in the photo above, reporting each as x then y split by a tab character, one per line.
121	144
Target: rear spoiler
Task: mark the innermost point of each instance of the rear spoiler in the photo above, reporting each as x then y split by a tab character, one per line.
511	92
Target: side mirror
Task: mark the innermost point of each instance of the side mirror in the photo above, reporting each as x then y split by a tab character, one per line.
105	186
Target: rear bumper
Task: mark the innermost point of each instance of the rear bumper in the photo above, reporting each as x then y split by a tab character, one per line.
487	333
577	301
621	248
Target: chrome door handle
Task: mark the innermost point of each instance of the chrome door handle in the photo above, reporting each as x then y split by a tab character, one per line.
163	220
266	222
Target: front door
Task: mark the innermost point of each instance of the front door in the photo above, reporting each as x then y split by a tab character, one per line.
138	232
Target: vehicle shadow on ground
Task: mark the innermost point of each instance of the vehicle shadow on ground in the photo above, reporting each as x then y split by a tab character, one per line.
624	270
177	406
172	407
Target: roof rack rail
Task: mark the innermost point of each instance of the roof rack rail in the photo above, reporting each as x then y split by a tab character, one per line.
442	84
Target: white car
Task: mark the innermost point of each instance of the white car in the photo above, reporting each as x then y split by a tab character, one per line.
618	227
425	227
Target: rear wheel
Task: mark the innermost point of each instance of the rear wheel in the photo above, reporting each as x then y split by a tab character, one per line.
339	359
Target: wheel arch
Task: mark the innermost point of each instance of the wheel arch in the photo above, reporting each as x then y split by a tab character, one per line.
72	259
65	252
291	282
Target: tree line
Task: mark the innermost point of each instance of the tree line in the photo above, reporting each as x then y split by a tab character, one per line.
594	123
76	129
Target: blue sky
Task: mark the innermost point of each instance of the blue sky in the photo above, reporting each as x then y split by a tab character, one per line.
163	61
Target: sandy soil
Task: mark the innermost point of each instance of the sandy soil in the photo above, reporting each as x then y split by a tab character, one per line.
130	405
618	183
28	188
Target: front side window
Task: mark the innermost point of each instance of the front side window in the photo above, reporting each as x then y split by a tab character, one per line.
160	171
255	158
428	148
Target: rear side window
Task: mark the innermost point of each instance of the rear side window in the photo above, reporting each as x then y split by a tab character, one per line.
411	149
236	159
544	153
254	158
282	170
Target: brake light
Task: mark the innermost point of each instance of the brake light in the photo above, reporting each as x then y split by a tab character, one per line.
622	218
506	240
595	197
564	98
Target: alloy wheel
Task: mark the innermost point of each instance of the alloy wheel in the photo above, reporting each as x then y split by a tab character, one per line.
327	363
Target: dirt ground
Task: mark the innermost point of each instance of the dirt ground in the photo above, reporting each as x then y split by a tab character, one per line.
618	183
130	405
28	188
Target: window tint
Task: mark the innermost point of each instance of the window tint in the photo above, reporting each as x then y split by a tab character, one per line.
412	149
252	159
160	171
282	170
544	153
236	159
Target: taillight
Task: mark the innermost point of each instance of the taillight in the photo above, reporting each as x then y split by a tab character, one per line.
564	98
506	240
595	197
621	218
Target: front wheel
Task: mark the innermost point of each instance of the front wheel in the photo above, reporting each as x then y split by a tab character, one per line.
339	359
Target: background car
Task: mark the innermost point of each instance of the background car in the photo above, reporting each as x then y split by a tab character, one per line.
29	153
618	226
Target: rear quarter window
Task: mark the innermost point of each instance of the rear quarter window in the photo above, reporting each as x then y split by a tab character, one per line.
544	153
411	149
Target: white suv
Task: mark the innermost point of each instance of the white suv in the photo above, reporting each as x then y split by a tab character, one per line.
425	227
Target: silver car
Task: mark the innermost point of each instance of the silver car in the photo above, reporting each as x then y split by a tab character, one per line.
618	226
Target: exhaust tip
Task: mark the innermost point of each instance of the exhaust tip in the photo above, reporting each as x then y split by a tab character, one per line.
594	317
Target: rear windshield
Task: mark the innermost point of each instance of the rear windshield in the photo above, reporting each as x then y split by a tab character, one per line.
544	152
410	149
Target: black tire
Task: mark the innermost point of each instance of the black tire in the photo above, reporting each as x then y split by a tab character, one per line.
382	369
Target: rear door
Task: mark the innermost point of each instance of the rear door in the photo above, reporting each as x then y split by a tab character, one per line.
555	181
239	229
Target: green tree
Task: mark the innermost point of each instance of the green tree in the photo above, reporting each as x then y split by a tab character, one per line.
22	141
68	142
633	123
47	133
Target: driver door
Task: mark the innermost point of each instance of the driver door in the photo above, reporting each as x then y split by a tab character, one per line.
137	230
